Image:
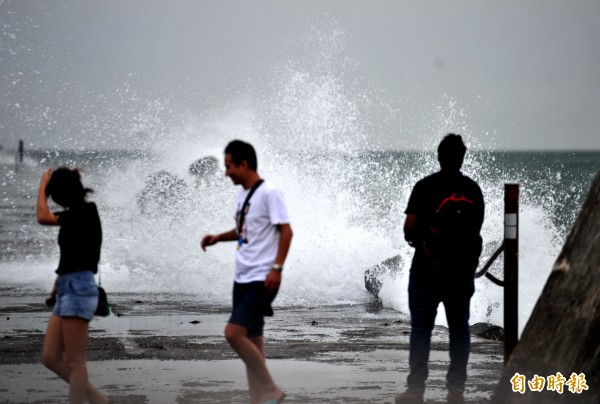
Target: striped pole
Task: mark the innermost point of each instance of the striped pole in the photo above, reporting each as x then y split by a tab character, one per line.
511	268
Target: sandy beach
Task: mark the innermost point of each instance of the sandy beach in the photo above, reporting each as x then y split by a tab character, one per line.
168	349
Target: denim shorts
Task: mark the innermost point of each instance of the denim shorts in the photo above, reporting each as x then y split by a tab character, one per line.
251	303
76	295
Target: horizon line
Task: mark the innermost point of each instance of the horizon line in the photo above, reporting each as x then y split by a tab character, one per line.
385	150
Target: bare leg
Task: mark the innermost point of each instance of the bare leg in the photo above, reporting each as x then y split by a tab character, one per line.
254	359
53	359
253	382
75	336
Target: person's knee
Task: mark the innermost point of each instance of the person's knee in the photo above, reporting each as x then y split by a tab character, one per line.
422	325
229	336
459	335
458	324
51	360
75	363
234	333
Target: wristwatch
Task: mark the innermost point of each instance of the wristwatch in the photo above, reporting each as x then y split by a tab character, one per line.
277	267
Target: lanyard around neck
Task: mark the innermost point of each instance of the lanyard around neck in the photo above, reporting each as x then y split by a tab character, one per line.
243	211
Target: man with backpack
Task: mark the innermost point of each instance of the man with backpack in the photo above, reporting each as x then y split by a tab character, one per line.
443	221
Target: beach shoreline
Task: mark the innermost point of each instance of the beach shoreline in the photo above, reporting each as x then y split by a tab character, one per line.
164	348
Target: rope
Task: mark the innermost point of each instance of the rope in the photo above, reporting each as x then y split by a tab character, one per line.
488	264
496	280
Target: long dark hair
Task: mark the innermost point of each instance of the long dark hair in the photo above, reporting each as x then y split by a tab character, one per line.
65	187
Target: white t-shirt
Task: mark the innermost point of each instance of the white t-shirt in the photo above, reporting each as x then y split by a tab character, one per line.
266	209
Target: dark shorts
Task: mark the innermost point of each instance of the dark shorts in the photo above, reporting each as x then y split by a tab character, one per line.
76	295
251	303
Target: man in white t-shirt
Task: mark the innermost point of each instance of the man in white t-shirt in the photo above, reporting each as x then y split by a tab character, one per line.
263	234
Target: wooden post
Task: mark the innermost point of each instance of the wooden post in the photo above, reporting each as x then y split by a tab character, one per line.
511	268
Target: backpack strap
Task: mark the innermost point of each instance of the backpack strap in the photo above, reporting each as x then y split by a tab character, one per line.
455	197
243	211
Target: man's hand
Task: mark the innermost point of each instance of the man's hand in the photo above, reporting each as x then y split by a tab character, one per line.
208	240
273	281
410	229
211	239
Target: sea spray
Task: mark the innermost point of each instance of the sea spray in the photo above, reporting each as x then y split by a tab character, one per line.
307	141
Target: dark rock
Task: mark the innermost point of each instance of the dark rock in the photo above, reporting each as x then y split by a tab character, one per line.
204	167
163	193
373	281
206	171
488	331
375	305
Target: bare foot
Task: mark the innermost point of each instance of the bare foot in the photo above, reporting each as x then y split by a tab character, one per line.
276	394
98	398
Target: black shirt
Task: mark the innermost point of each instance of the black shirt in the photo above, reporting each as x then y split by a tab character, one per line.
79	239
425	199
429	193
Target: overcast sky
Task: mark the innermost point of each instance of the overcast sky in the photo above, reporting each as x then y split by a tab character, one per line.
517	75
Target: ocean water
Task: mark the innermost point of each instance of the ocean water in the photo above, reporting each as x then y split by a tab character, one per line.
346	209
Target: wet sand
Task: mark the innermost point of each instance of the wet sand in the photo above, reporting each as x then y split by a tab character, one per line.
170	349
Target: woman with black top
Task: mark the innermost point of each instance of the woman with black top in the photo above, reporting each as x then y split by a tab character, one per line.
75	290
